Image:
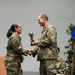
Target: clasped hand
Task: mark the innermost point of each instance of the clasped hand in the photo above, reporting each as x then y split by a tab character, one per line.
30	52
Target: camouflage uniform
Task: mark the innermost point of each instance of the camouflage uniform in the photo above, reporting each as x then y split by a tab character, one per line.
61	66
46	50
14	55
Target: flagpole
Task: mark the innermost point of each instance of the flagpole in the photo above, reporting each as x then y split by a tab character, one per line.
73	61
73	56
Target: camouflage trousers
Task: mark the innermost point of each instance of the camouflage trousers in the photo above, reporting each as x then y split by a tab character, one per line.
13	68
47	67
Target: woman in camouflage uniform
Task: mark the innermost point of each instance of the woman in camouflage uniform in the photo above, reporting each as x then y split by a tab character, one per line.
14	50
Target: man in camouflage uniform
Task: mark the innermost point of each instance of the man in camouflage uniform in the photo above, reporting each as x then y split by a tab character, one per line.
15	51
61	64
60	67
46	46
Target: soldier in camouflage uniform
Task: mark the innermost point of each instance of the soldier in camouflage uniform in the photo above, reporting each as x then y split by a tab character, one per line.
60	67
61	64
46	46
15	50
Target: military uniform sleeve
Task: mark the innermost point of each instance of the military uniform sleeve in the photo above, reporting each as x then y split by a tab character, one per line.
17	46
35	50
50	38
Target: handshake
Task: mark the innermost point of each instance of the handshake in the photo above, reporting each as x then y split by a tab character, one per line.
30	52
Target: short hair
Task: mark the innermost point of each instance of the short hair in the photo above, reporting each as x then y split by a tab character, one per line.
21	71
58	49
43	15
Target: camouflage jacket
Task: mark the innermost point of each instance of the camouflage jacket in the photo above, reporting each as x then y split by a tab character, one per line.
59	68
15	49
47	46
61	65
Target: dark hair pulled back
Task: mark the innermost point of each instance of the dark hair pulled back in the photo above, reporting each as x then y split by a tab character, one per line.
11	30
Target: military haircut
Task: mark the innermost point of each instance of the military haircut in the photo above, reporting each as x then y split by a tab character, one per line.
43	15
58	49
